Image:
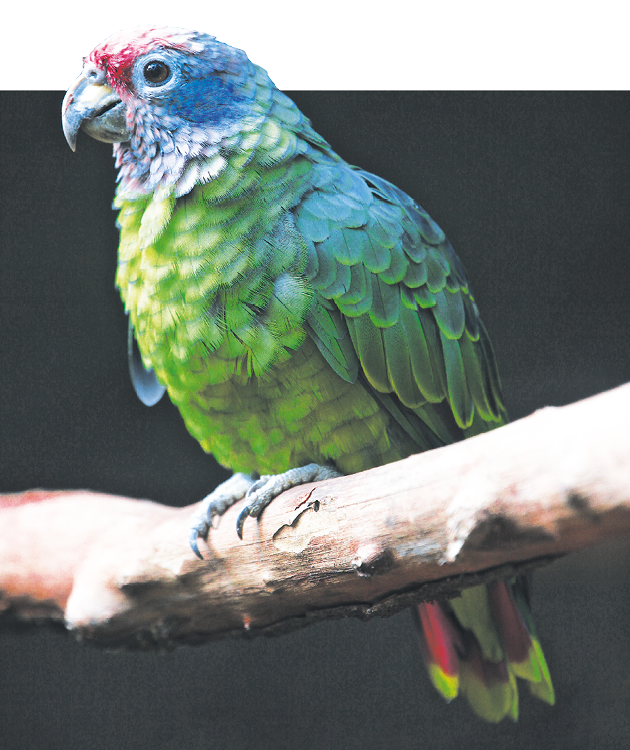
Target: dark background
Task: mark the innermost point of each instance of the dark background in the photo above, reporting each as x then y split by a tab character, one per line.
533	190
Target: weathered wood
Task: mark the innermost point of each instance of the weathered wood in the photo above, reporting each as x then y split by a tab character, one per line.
121	572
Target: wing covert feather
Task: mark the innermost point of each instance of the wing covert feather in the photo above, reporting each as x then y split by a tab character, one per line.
413	328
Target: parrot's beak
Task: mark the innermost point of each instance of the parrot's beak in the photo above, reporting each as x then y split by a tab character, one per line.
92	105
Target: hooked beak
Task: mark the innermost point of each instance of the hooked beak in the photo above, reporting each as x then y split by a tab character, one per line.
92	105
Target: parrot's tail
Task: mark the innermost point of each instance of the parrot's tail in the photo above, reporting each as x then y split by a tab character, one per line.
479	643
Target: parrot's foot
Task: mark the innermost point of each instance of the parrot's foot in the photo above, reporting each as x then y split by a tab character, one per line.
269	486
258	494
215	504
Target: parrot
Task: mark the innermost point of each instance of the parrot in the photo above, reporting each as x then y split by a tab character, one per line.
307	318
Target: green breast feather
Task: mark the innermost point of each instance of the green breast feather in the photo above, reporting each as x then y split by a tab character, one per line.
299	309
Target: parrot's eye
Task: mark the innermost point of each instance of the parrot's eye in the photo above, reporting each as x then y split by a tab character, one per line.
156	71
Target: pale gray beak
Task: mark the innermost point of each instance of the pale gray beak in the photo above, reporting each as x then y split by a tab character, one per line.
92	105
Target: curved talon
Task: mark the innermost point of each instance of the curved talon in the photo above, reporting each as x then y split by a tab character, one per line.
192	540
240	521
243	515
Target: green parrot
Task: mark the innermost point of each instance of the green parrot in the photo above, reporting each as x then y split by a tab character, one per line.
306	317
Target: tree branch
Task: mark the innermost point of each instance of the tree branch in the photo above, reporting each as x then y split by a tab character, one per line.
120	571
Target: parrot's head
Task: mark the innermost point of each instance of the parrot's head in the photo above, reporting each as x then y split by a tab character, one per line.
164	96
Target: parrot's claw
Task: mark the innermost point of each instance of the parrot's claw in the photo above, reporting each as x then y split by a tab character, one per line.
262	491
215	504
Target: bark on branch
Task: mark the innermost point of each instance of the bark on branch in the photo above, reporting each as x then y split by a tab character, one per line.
120	571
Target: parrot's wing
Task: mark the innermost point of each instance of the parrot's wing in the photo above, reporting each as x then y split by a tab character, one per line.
145	382
394	307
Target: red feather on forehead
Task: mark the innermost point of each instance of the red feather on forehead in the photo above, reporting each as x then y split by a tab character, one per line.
118	53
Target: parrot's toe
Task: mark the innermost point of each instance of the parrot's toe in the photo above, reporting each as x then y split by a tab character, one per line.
215	504
264	490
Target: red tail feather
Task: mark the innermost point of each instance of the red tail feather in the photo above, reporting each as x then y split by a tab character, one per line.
439	638
514	633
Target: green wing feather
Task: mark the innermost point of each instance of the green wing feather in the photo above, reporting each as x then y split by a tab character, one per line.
413	328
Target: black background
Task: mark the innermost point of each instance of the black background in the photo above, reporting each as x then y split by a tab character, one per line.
533	191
